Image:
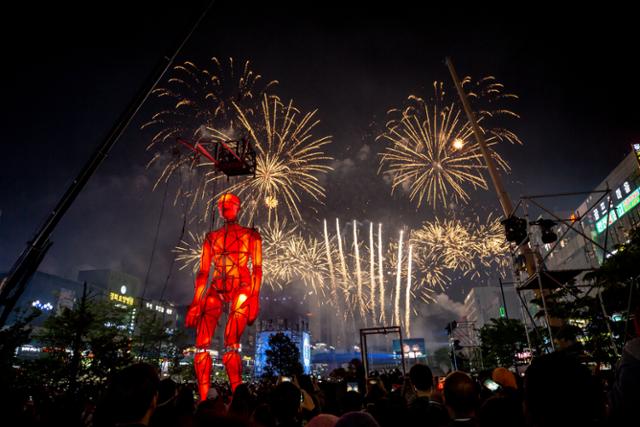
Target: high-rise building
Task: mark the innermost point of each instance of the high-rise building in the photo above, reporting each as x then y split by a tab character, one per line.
606	216
48	293
484	303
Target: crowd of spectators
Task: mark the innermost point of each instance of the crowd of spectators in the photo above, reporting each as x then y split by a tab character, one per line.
556	390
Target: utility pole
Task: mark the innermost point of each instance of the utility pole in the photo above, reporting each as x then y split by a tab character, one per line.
503	196
12	286
532	266
505	201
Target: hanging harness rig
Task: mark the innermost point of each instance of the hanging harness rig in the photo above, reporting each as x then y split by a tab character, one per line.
234	157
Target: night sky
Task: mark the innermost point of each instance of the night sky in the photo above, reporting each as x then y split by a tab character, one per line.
69	72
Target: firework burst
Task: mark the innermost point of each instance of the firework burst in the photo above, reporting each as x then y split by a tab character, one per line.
189	251
445	246
200	97
289	160
279	242
430	150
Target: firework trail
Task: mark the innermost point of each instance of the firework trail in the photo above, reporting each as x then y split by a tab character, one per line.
372	264
430	150
356	246
343	264
383	318
396	315
407	300
329	257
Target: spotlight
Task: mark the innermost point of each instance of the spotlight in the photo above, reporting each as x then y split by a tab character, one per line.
546	230
515	229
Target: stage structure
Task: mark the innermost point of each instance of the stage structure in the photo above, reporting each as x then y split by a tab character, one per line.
382	330
548	236
234	289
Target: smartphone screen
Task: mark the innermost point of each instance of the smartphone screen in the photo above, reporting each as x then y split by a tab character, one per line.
491	385
286	379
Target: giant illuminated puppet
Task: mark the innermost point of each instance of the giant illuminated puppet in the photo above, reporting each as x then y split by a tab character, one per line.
235	289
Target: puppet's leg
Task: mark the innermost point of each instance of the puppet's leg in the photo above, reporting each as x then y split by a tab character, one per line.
204	332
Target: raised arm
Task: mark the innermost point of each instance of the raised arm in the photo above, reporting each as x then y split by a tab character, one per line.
255	248
255	251
193	313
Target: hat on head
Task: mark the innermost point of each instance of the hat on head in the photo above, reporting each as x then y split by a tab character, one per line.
504	377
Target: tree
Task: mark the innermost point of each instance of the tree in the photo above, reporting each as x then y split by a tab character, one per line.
82	345
282	357
599	317
610	307
500	340
156	339
11	338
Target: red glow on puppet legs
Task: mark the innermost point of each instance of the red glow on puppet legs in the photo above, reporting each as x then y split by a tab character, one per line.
202	365
233	364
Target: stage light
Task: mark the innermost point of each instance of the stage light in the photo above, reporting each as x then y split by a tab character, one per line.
515	229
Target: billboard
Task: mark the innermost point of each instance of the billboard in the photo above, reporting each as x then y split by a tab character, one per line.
412	347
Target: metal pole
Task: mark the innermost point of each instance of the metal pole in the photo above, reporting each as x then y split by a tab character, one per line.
503	197
504	301
363	354
31	257
404	370
505	201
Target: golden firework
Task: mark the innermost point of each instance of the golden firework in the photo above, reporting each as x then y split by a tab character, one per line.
288	162
430	150
196	100
445	246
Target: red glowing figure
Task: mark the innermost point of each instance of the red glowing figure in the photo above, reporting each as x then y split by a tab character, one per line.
234	287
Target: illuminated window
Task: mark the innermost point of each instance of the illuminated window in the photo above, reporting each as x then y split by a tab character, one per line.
596	215
627	188
619	193
120	298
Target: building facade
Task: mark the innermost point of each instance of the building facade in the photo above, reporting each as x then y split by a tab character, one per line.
604	220
485	303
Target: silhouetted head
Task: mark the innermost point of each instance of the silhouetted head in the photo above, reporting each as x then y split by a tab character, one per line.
229	206
131	396
421	377
559	391
460	394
